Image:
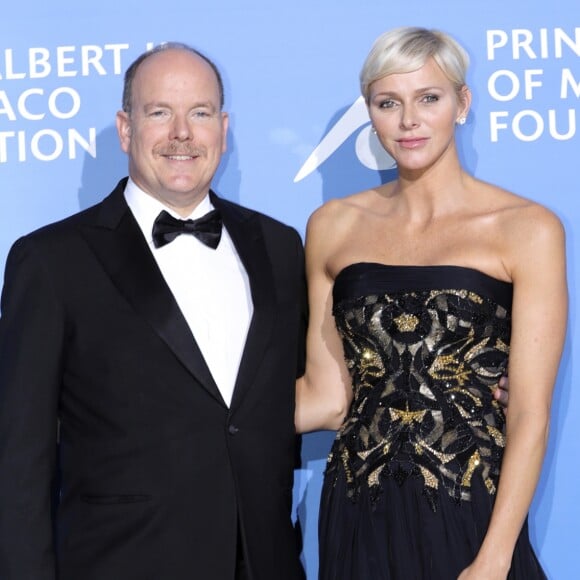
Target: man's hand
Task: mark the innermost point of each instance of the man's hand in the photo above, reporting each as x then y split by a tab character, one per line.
501	394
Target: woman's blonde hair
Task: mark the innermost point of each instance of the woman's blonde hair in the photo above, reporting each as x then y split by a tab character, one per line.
406	49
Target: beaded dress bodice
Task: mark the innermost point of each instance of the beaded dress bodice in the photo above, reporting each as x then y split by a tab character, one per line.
425	347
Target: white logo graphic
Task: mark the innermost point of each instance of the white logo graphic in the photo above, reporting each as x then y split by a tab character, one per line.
368	149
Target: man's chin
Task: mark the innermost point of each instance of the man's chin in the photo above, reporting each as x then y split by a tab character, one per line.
187	193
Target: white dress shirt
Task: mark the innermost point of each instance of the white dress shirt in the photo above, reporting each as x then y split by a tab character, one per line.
211	287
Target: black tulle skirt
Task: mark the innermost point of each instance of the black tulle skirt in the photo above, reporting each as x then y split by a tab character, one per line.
399	537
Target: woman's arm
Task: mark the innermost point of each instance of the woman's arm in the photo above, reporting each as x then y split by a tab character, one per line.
324	392
535	256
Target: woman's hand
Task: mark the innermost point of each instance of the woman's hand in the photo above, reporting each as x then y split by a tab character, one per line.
477	571
501	394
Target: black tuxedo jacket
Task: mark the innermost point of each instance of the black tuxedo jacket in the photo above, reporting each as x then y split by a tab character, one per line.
155	473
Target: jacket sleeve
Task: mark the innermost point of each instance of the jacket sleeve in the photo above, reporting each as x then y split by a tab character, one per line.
31	341
303	310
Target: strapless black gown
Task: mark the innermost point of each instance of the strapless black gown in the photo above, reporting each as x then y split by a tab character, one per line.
412	475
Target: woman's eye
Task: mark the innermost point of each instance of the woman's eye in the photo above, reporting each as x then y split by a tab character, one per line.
387	104
430	98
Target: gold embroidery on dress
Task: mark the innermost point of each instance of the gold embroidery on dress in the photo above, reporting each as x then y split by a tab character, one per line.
407	417
406	322
497	435
473	464
424	366
430	479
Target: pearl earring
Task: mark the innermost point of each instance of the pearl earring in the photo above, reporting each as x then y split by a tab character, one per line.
461	121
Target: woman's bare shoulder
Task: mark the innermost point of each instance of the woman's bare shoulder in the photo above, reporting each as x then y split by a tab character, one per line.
341	211
515	212
527	232
522	215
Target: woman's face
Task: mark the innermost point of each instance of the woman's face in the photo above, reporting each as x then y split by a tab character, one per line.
414	115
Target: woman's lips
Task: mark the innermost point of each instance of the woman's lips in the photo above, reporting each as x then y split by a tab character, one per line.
412	143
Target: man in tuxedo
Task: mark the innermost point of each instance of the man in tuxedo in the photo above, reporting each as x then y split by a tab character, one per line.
149	348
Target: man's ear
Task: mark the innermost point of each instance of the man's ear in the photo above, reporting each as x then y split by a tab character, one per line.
225	125
123	123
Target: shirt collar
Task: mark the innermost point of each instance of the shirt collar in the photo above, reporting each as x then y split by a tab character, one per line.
146	208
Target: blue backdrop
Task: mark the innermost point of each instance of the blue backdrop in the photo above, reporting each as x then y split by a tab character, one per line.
299	136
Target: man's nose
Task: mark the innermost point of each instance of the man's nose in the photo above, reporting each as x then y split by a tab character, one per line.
181	128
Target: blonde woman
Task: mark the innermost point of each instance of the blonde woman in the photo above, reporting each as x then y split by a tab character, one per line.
423	292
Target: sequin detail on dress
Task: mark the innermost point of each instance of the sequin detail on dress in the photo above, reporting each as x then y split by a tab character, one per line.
424	365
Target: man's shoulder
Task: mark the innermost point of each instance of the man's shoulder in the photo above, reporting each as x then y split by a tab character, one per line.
66	223
245	213
66	230
86	216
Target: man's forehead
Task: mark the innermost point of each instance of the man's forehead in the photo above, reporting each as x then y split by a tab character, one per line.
176	65
173	59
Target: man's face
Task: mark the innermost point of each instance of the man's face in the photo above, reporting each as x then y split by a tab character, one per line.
175	133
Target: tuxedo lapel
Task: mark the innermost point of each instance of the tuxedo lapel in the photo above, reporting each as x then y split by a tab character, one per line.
120	247
246	232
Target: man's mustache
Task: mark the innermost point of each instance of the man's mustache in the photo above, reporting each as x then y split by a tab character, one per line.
181	149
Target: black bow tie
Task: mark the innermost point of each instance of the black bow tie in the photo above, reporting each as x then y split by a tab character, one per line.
207	229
